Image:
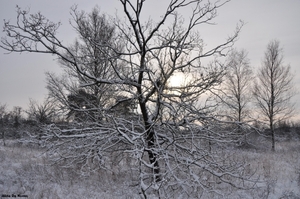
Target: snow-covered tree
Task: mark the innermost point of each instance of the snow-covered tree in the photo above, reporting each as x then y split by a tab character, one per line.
166	133
94	30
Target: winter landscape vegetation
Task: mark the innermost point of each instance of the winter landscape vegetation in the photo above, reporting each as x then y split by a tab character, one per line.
144	109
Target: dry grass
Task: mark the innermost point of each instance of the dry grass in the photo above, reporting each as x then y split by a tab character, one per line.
278	171
26	170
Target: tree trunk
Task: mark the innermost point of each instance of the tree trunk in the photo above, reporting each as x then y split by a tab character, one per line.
272	134
152	155
3	132
150	139
273	138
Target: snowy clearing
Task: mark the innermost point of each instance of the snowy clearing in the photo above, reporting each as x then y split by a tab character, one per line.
26	171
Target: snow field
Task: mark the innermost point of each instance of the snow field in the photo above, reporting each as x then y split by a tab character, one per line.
26	170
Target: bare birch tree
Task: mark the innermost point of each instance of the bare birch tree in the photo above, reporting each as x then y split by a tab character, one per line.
273	89
165	134
235	91
237	84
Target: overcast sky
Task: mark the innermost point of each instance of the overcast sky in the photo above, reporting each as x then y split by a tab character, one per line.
22	75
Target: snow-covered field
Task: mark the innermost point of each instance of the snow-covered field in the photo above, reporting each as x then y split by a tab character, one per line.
27	172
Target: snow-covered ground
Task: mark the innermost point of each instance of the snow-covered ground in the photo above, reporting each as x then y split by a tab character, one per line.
27	172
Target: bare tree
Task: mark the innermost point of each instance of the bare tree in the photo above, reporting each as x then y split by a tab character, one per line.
273	89
16	113
237	84
42	113
166	132
235	91
3	114
95	33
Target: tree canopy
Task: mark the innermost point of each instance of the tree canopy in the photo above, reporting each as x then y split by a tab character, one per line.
167	134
